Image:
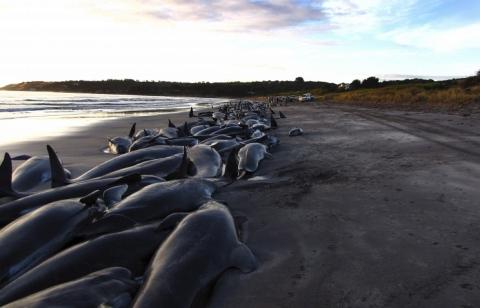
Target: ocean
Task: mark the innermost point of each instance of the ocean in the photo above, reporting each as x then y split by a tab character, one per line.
29	115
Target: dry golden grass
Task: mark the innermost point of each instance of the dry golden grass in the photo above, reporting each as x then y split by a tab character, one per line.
413	96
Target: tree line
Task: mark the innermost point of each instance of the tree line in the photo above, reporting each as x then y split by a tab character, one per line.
200	89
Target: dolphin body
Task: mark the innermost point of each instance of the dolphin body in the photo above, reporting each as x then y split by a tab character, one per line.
32	173
202	247
114	164
120	145
155	201
206	162
36	236
110	287
147	141
12	210
168	167
250	156
87	257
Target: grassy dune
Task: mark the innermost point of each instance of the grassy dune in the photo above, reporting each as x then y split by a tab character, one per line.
451	95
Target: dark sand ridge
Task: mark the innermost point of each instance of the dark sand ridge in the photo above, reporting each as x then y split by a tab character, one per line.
368	209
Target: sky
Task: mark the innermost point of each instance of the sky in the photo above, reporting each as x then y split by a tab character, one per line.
199	40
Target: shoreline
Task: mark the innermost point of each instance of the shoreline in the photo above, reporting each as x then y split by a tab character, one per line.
89	141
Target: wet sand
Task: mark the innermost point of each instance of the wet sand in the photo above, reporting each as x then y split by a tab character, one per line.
368	208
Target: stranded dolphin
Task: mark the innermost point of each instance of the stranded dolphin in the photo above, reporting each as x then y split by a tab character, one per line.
155	201
199	250
250	156
12	210
120	145
36	236
111	287
84	258
33	172
114	164
206	162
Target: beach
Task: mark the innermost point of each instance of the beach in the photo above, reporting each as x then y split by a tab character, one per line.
368	208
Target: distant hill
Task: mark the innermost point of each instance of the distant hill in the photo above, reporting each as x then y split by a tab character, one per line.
200	89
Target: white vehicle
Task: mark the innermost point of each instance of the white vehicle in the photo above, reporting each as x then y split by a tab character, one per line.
306	97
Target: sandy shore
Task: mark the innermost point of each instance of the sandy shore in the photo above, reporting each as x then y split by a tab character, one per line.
368	209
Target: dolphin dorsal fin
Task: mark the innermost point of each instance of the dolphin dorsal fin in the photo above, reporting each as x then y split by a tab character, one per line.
243	259
91	198
185	129
132	130
6	177
231	166
282	116
170	124
58	173
273	122
182	171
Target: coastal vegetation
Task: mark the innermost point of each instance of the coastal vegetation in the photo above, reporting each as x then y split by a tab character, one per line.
416	93
199	89
410	93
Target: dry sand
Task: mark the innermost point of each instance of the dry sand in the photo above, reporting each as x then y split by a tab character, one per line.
368	208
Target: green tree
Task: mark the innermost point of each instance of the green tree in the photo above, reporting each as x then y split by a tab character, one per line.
356	84
370	82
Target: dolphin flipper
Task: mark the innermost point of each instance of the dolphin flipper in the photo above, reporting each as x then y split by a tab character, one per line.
22	157
114	194
243	259
171	221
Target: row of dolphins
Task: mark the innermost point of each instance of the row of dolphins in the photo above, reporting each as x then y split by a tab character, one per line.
141	229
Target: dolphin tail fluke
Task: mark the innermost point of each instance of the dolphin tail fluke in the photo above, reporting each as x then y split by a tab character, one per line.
243	259
171	221
6	177
58	173
132	130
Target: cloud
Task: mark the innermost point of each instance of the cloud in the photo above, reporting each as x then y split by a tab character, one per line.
355	16
438	39
404	76
227	15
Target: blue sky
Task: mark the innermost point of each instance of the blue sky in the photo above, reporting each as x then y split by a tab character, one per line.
199	40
